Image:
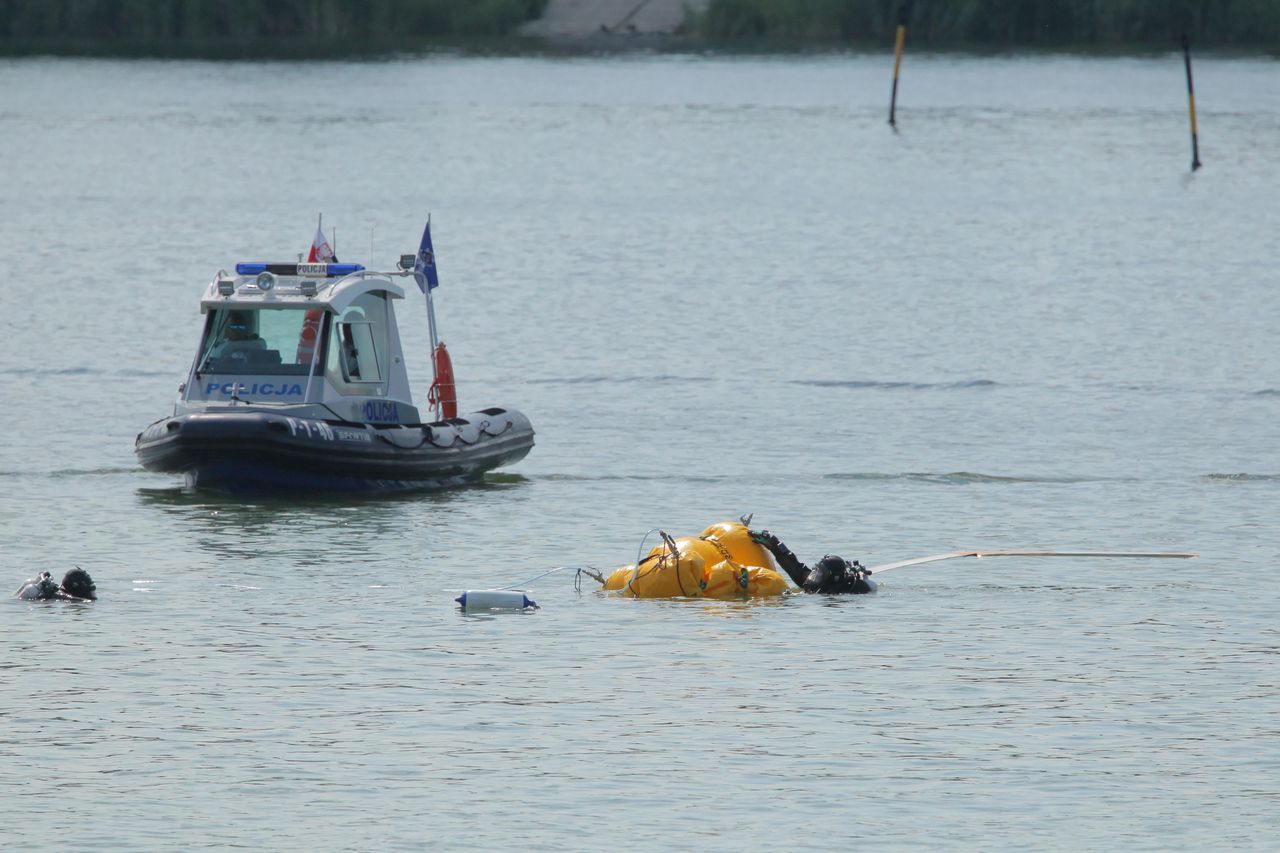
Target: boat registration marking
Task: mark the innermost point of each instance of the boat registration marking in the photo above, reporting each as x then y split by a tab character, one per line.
323	430
320	429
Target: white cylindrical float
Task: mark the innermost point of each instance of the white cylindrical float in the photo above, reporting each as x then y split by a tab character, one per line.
476	600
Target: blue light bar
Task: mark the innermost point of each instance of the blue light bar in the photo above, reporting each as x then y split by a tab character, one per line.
309	270
341	269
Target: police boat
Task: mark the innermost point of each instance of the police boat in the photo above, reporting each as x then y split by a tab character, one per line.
299	385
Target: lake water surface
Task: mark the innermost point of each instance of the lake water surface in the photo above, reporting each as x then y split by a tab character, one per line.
717	286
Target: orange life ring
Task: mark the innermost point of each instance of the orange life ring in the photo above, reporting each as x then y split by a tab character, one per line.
307	337
443	391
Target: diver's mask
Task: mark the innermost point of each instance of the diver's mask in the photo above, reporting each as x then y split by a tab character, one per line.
829	575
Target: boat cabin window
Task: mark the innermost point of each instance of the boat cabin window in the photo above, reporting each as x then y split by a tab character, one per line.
358	349
261	341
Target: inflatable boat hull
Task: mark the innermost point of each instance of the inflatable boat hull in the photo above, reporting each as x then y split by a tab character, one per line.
256	452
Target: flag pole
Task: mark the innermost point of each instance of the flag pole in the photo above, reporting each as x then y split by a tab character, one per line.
431	311
431	326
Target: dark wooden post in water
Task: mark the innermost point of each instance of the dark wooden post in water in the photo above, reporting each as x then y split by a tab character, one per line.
899	41
1191	101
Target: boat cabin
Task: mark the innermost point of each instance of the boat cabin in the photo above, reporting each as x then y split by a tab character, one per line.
317	340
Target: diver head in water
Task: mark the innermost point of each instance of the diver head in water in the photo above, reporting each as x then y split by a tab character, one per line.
76	586
833	575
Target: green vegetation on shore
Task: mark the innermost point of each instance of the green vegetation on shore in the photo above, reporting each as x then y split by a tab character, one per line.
203	21
302	28
998	22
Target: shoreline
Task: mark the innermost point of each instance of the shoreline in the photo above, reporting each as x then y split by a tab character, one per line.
602	45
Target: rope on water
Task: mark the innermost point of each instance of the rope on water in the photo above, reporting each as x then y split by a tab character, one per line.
590	571
675	557
598	576
635	573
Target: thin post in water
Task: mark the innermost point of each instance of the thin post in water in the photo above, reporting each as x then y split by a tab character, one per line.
1191	102
899	41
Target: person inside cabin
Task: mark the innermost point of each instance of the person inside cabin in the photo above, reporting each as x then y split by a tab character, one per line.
239	338
832	575
76	586
350	353
240	327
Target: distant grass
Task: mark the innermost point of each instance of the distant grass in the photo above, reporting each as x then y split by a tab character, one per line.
208	21
1253	23
285	48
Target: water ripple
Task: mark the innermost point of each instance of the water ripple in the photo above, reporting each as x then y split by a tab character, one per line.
678	478
85	370
1243	477
963	478
887	385
663	378
60	473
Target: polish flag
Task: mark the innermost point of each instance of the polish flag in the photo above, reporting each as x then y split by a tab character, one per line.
321	251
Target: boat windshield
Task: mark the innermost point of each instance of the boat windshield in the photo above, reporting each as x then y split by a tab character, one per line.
261	342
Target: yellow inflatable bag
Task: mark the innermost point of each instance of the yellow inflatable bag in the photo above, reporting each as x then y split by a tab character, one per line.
618	578
709	553
660	575
722	562
727	580
738	546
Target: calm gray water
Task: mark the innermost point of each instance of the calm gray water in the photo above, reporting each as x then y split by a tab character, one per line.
717	286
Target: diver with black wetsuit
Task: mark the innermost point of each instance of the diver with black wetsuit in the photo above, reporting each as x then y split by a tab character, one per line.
76	586
833	574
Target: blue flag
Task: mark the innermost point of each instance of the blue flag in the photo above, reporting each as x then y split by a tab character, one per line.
424	268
